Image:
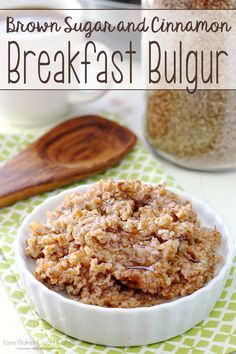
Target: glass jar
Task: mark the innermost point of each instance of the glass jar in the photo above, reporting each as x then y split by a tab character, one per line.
197	131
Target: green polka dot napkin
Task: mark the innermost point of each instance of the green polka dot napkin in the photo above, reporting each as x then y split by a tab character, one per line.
214	335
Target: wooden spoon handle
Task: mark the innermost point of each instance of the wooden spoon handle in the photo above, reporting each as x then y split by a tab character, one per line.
19	178
27	175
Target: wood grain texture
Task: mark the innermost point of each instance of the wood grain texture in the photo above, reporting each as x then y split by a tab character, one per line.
71	151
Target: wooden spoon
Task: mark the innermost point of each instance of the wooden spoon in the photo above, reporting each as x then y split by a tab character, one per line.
71	151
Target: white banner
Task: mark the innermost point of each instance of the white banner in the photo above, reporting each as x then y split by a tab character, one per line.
57	49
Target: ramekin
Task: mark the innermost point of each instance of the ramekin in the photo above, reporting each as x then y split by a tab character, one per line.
117	326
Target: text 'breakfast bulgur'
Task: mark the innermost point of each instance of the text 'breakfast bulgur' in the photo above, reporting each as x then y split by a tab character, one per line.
123	244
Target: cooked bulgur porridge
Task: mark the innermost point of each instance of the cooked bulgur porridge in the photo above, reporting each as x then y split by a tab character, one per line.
123	244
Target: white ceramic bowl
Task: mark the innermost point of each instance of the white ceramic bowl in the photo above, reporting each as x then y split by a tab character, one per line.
116	326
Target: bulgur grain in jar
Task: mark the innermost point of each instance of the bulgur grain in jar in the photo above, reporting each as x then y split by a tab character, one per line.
197	131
